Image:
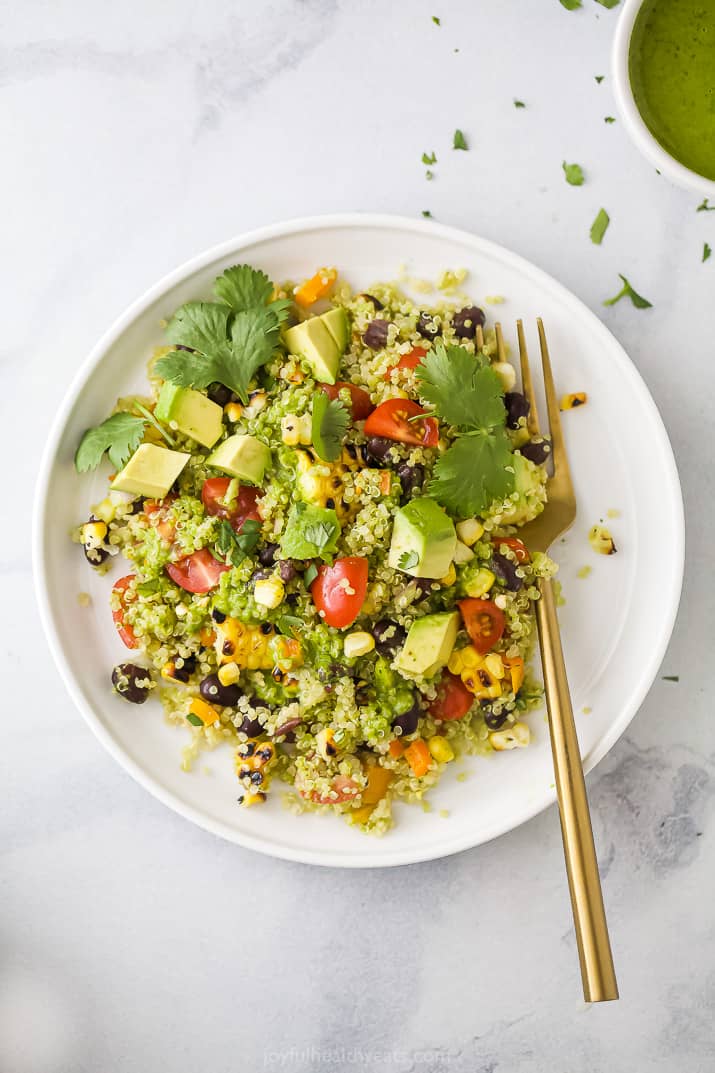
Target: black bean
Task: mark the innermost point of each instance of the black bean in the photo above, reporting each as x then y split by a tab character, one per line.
375	335
251	726
517	407
184	672
411	478
505	571
214	692
407	722
466	322
266	628
389	636
287	570
536	451
95	556
267	554
129	682
494	720
218	616
260	575
424	586
428	327
136	506
377	448
220	394
371	298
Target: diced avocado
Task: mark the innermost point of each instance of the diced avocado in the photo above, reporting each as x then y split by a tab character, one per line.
311	532
429	644
529	493
313	341
150	471
336	321
241	456
423	539
191	412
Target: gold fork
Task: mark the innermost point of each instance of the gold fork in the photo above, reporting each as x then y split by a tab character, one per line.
594	948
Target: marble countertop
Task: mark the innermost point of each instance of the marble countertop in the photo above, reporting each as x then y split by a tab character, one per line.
134	136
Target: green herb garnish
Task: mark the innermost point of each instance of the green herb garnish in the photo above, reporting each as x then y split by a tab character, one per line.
599	78
289	625
429	175
330	423
705	207
608	3
320	534
609	119
427	214
436	20
429	158
706	251
573	173
146	588
570	5
459	141
194	720
233	546
519	104
627	291
407	560
153	421
464	391
119	436
599	227
671	677
310	575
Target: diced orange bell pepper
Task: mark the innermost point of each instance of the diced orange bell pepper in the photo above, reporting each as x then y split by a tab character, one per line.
396	748
378	780
203	711
418	757
316	287
516	671
207	636
385	481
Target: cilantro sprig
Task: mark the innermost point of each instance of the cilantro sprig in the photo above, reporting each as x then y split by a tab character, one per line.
627	291
119	436
228	340
408	560
330	423
233	546
467	393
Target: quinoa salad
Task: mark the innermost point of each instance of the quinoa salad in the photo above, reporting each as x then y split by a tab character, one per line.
319	500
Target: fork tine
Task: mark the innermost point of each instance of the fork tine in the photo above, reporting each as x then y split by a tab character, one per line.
501	349
479	337
558	447
532	420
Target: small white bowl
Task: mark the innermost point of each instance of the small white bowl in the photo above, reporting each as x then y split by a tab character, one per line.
648	145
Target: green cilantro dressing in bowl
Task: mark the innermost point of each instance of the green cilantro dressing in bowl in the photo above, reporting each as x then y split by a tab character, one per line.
671	66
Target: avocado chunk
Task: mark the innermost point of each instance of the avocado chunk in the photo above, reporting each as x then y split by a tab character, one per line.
241	456
321	341
191	413
310	533
429	644
529	495
150	471
423	539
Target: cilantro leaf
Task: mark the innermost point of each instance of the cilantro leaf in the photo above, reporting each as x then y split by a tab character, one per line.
233	546
609	119
429	175
436	20
465	392
599	227
242	287
599	78
320	534
459	141
671	677
519	104
199	325
427	214
429	158
407	560
194	719
330	423
248	537
289	625
627	290
573	173
119	436
474	471
705	207
310	575
570	5
608	3
706	251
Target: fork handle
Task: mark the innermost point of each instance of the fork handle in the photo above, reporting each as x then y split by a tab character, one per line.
594	948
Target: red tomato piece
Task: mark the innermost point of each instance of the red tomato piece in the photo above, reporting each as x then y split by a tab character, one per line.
198	572
339	590
362	405
516	545
453	699
483	621
243	507
392	419
408	361
123	629
344	787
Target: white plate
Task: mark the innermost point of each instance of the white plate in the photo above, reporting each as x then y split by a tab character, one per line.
616	623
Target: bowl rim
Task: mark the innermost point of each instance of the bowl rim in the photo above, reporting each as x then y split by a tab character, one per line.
636	127
41	535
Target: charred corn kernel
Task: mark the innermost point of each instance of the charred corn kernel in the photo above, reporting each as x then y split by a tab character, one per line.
506	373
325	742
462	553
233	411
440	748
358	643
570	402
322	483
464	659
94	533
601	540
247	800
469	531
203	711
362	814
449	578
494	664
481	683
516	737
480	584
269	592
207	636
286	652
247	646
297	429
257	401
229	674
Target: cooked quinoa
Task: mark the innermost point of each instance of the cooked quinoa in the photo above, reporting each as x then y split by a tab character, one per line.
306	588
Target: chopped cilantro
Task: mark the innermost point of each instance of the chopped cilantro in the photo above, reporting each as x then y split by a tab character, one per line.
671	677
436	20
194	720
119	436
627	290
609	119
573	173
407	560
310	575
330	423
429	158
320	534
570	5
519	104
608	3
233	546
706	251
427	214
599	226
705	207
459	141
599	78
146	588
289	625
429	175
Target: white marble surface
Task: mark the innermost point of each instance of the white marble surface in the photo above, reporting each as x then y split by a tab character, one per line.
134	135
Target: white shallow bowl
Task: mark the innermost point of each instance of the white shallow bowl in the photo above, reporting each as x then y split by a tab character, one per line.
616	623
635	125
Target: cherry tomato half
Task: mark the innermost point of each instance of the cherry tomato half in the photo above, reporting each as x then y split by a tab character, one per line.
339	590
125	631
483	621
392	420
198	572
343	789
362	405
243	507
453	699
157	511
408	361
516	545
